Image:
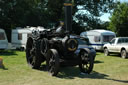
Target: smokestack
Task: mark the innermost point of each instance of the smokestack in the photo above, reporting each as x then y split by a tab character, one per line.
68	17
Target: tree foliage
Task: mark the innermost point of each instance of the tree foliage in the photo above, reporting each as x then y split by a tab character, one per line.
88	11
21	13
13	12
85	12
119	20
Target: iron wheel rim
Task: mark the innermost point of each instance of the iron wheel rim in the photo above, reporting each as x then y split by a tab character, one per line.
30	53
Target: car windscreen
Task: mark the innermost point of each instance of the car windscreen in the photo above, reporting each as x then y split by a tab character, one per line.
2	36
108	38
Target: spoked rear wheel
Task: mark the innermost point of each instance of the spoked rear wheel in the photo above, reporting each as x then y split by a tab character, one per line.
52	62
32	55
87	62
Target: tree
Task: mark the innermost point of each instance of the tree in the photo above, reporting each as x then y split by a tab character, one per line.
119	20
102	25
15	13
85	12
88	11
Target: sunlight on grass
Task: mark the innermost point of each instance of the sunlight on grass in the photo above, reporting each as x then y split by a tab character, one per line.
108	70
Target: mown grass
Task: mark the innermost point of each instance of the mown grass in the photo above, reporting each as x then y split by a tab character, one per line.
108	70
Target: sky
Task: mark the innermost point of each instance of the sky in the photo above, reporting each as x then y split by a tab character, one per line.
105	17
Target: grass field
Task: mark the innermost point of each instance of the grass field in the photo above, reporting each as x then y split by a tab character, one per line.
108	70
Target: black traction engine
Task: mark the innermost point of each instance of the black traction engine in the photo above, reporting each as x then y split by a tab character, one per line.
58	48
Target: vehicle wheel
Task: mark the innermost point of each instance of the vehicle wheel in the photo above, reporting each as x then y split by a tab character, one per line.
52	62
124	54
106	52
32	55
22	49
87	62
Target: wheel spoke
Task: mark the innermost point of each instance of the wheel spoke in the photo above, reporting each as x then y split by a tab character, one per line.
29	58
87	66
32	63
52	69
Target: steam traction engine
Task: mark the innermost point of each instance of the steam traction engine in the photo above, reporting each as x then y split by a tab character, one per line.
58	48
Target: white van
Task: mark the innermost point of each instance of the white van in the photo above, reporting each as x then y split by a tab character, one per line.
3	40
20	35
98	38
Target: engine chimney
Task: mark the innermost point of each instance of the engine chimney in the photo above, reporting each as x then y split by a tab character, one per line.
68	17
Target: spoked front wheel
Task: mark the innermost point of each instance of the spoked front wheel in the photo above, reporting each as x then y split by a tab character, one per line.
87	62
52	62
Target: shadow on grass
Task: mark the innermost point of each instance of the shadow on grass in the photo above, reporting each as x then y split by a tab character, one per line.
116	55
72	72
43	68
7	52
97	62
4	68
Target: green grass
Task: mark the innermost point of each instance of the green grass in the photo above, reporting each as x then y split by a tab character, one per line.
108	70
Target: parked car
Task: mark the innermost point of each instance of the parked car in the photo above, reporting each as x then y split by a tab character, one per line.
117	45
98	38
84	44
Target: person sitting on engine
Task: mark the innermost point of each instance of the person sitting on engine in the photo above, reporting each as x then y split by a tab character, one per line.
60	28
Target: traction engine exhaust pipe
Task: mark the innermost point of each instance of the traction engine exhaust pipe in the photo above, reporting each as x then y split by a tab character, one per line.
68	17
